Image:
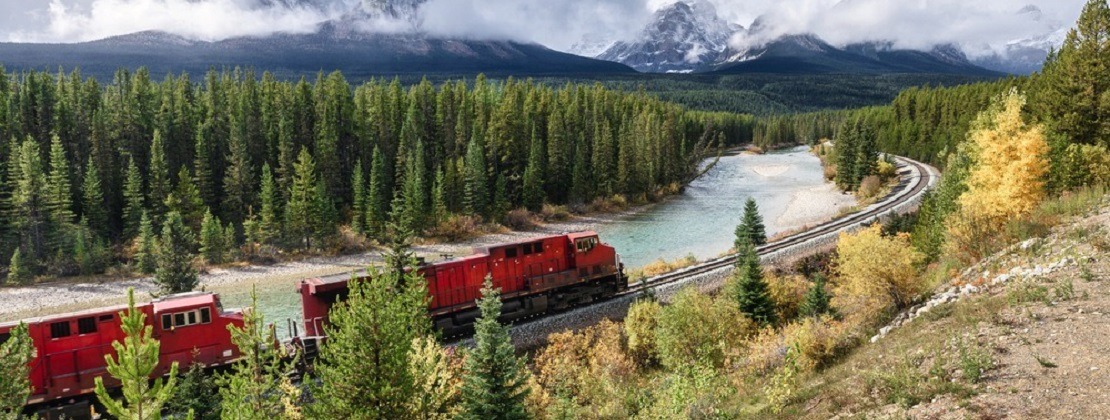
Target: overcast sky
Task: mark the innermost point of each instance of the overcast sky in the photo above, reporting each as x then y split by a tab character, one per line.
555	23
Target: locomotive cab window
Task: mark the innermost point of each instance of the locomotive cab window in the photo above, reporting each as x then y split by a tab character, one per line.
585	244
86	325
59	329
167	321
510	252
4	337
205	315
185	319
527	249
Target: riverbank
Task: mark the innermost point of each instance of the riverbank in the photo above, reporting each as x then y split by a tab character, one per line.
794	209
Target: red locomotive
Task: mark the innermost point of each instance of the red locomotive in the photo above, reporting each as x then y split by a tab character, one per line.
534	276
70	348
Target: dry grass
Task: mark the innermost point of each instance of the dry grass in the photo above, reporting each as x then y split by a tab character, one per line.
660	267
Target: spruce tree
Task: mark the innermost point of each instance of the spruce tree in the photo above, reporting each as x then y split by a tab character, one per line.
212	239
439	199
324	214
136	358
175	272
1072	89
186	200
159	182
477	182
146	254
19	273
237	185
196	395
377	196
252	387
358	200
749	290
415	189
300	214
364	365
29	204
133	196
15	361
533	178
59	200
92	200
495	384
231	242
751	226
816	301
269	225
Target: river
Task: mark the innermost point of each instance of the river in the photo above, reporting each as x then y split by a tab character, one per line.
787	185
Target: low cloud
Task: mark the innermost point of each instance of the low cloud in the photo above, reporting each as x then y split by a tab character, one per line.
555	23
85	20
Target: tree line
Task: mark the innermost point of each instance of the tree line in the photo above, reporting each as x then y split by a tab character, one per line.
249	161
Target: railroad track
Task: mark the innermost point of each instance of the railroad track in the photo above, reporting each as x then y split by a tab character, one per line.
915	179
532	332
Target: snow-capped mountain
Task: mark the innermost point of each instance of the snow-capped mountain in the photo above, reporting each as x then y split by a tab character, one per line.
682	37
1026	56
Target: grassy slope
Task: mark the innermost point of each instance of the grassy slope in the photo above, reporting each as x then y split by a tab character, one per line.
1034	347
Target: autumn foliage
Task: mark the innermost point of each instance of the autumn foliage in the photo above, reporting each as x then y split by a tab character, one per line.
876	273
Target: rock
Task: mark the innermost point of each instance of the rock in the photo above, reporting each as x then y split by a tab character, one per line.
1028	243
885	330
874	338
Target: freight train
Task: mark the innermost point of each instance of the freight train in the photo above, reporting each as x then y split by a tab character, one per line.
535	276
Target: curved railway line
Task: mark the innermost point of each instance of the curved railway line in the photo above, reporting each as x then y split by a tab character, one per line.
916	179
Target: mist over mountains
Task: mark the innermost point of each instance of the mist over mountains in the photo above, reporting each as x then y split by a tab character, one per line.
649	35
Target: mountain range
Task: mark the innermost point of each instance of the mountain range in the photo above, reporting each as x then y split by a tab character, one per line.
377	37
689	36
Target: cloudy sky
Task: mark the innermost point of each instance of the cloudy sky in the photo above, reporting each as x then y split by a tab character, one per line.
556	23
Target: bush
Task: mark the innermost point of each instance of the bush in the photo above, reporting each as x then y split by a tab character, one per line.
870	187
830	172
553	213
584	367
457	228
886	170
696	329
875	274
519	220
639	328
787	292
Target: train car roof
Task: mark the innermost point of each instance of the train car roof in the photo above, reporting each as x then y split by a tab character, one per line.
163	303
486	250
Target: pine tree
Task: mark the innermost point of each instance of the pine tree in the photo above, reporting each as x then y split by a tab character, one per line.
439	199
237	184
92	200
19	273
477	183
750	230
817	299
29	200
358	201
15	361
159	181
133	196
251	389
495	383
175	272
146	254
231	242
534	177
186	200
300	214
749	290
415	189
135	360
1072	94
59	200
196	395
269	226
847	149
377	196
325	216
212	239
364	365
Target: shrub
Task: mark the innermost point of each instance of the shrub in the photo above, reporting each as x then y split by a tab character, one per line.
787	292
696	329
875	273
830	172
639	328
553	213
886	170
584	366
870	187
519	219
457	228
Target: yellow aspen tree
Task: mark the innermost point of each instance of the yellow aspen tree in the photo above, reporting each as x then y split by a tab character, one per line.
1008	178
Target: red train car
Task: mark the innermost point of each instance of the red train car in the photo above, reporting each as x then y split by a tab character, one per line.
70	348
535	276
